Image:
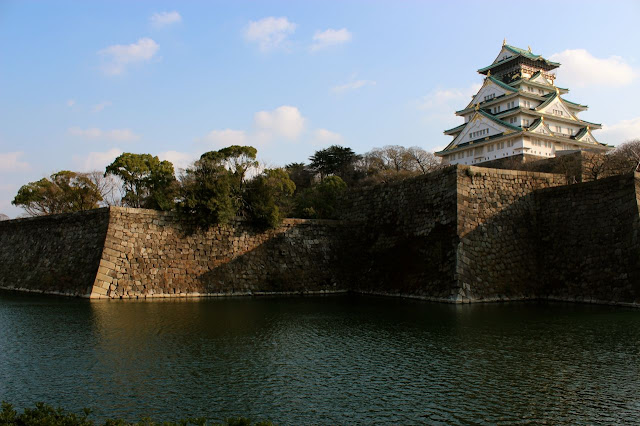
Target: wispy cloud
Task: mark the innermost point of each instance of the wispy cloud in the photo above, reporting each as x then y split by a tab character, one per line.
226	137
449	99
581	69
71	102
353	85
269	33
326	137
180	160
620	132
163	19
119	56
10	162
102	105
122	135
96	160
330	37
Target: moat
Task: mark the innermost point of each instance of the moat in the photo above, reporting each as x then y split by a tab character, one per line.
323	360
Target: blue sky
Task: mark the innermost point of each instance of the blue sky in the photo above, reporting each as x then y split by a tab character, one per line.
81	82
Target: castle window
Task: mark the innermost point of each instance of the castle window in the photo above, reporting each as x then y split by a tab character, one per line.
527	104
525	122
489	97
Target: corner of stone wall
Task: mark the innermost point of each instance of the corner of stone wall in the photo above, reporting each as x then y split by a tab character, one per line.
105	275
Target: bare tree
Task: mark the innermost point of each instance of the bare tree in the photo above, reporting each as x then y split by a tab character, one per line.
626	157
422	160
109	186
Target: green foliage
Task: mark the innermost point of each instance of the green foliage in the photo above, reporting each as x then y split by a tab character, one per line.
206	193
46	415
301	175
335	160
63	192
268	197
147	181
320	201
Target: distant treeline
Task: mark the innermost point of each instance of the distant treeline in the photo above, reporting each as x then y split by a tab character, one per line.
224	184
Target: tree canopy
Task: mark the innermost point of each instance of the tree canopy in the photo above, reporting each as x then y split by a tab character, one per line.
335	160
62	192
147	182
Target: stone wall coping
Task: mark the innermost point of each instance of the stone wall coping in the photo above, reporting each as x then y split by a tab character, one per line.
502	172
52	217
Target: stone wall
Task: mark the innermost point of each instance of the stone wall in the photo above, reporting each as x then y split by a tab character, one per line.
588	246
497	227
403	236
152	254
56	254
462	234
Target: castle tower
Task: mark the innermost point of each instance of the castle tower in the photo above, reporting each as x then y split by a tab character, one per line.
519	111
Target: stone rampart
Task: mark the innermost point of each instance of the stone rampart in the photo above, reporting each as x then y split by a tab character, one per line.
404	236
56	254
497	227
153	254
462	234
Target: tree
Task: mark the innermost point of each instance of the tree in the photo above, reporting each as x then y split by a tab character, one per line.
335	160
268	197
147	182
109	186
205	192
62	192
393	162
300	174
321	200
626	157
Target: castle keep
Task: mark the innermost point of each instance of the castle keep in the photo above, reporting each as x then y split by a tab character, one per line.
519	111
462	234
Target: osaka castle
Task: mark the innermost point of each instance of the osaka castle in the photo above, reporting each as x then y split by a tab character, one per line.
519	111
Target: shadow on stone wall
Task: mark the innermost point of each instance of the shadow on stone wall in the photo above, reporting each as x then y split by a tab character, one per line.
576	243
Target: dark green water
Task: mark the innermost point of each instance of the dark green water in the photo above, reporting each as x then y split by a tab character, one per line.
333	360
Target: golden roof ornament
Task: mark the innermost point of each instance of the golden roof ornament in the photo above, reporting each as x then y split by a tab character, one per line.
504	41
489	73
529	49
557	91
477	107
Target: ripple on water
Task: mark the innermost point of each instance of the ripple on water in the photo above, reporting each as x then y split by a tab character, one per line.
331	360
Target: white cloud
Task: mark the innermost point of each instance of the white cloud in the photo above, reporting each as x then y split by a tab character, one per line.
357	84
226	137
102	105
96	160
121	135
330	37
286	122
180	160
119	56
580	68
163	19
620	132
449	99
71	102
326	137
270	33
10	162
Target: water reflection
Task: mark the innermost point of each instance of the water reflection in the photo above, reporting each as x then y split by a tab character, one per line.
330	360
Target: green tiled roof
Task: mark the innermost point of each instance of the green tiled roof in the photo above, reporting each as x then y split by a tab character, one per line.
581	133
548	101
497	120
503	85
573	103
460	127
517	52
